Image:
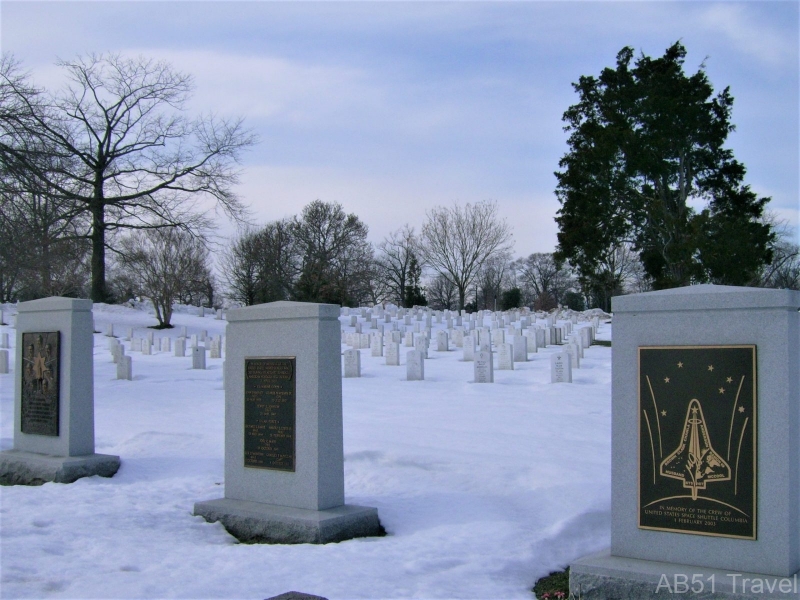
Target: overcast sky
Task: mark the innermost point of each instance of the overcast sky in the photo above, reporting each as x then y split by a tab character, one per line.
392	108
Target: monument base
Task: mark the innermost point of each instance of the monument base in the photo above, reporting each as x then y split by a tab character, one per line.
602	576
258	523
29	468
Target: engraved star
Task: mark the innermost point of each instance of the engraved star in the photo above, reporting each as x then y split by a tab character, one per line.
710	367
666	379
680	365
663	413
729	380
741	409
721	390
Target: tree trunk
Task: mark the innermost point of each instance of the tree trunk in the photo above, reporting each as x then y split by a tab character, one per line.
98	237
45	271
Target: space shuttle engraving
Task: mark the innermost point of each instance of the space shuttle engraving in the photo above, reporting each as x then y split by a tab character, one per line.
694	460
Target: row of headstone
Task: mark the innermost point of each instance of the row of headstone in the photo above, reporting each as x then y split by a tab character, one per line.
481	341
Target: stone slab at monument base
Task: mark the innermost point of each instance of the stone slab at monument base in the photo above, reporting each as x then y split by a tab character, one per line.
604	577
259	523
18	467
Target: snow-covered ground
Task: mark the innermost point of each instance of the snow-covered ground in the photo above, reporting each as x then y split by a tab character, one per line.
482	488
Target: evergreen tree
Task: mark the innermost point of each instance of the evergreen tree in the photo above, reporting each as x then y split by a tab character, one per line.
646	142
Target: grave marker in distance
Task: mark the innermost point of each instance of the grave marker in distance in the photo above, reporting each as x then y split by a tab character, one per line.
484	367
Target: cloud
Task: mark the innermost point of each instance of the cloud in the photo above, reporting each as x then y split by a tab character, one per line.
269	87
386	202
747	30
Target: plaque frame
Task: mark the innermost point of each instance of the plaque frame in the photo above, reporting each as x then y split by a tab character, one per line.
40	382
288	414
696	428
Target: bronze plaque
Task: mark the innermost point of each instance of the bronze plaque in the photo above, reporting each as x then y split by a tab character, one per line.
40	389
269	413
697	440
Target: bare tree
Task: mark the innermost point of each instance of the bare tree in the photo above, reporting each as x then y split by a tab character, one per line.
491	280
41	253
544	280
441	293
395	255
457	240
261	265
785	271
128	155
164	262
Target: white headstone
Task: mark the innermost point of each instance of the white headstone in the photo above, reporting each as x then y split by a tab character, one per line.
165	344
421	345
365	340
560	368
586	336
4	361
352	363
541	338
415	365
409	340
115	350
484	367
199	357
180	347
110	330
442	341
520	348
393	354
505	357
146	347
468	347
573	349
376	345
125	368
